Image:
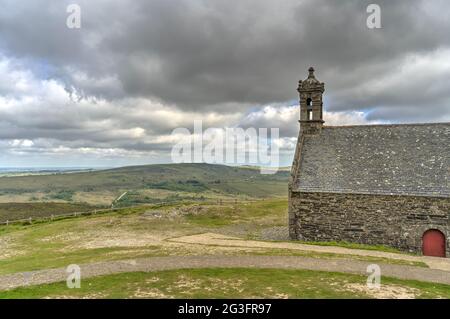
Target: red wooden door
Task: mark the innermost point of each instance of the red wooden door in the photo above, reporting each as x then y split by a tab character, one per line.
433	243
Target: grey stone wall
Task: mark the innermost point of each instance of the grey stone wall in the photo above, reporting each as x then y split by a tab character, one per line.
392	220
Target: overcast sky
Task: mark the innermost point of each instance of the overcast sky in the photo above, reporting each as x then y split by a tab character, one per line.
111	92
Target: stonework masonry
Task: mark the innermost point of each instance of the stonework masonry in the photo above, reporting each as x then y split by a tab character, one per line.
392	220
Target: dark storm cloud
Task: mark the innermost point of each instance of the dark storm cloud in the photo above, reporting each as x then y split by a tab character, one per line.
202	54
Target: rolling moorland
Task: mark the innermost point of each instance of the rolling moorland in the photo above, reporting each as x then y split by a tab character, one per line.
43	195
167	214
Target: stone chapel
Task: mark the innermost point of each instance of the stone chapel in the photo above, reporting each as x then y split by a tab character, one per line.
369	184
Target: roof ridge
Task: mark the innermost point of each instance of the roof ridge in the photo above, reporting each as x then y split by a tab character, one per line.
387	125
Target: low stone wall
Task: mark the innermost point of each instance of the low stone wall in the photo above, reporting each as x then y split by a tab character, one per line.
392	220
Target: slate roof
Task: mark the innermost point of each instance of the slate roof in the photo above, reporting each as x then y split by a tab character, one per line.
408	159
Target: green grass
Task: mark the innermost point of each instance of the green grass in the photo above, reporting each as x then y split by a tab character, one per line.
258	214
231	283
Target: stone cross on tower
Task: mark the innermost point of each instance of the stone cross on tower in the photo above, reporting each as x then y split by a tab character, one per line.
311	105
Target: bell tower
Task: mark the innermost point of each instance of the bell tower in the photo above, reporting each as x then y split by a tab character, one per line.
311	104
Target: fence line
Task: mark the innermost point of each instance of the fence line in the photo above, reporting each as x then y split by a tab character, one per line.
30	220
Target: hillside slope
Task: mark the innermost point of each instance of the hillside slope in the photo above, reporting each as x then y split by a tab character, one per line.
43	195
176	177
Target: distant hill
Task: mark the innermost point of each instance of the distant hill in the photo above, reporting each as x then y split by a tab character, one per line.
192	178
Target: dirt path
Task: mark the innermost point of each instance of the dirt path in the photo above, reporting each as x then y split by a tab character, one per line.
183	262
118	199
222	240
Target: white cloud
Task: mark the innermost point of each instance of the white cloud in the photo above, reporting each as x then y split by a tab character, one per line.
286	118
21	143
43	118
347	118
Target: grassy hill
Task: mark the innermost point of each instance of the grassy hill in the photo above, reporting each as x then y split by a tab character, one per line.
175	177
147	184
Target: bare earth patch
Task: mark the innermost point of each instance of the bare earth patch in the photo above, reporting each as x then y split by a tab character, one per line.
384	292
106	239
68	236
8	249
149	293
190	285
